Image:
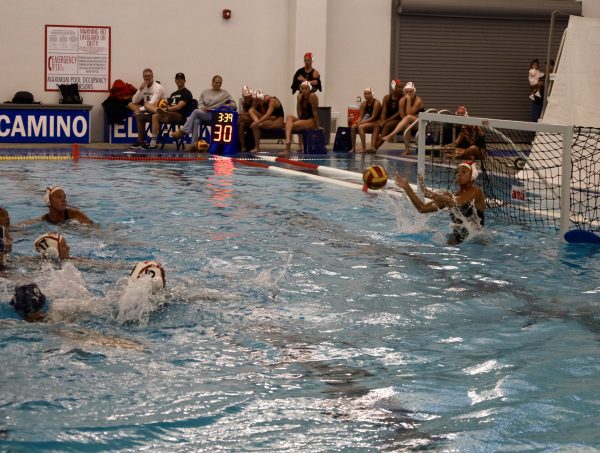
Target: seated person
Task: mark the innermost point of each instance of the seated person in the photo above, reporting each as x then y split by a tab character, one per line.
410	106
175	112
307	74
307	109
266	113
370	109
470	141
390	115
466	205
143	104
5	239
210	99
244	118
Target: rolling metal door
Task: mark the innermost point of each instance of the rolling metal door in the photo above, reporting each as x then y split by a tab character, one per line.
478	62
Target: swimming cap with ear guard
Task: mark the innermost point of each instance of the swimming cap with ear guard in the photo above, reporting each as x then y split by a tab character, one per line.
306	83
370	90
461	110
28	299
246	91
47	244
395	82
151	268
49	191
471	166
258	94
409	86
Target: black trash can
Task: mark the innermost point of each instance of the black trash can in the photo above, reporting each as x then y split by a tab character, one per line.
325	121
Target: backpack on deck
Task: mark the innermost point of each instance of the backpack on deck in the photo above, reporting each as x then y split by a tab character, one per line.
70	93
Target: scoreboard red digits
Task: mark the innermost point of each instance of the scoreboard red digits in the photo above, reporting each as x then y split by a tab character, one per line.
224	132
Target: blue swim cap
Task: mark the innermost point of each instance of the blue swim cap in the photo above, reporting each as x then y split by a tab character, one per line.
28	299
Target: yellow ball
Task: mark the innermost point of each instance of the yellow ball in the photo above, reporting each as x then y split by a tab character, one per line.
375	177
201	146
163	104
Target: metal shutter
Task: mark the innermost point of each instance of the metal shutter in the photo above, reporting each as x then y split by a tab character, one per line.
478	62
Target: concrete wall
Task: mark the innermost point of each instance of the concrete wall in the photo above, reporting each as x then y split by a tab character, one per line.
261	46
591	8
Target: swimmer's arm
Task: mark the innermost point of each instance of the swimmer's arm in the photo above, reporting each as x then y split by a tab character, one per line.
26	223
94	338
421	206
76	214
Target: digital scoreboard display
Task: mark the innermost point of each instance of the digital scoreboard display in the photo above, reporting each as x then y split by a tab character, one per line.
224	135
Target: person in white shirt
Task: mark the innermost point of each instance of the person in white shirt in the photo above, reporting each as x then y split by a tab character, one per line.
534	79
144	104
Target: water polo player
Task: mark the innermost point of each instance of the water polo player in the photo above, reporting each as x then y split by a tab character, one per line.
58	211
466	206
52	246
29	302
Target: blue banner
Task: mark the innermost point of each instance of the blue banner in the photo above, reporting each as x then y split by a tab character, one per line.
42	125
125	132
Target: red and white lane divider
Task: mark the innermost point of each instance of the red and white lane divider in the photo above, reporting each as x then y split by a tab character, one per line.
330	171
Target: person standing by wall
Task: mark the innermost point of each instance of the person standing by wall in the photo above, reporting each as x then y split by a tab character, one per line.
307	74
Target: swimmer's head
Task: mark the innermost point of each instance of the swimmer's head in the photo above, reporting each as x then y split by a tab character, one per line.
152	269
55	197
396	83
472	166
369	92
52	246
29	301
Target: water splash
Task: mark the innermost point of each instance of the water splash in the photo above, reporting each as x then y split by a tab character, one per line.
134	301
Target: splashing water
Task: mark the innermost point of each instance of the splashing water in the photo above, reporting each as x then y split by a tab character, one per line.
134	300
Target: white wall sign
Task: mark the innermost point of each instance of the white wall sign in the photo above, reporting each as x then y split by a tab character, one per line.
77	54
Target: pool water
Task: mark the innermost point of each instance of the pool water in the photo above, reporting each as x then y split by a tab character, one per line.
298	316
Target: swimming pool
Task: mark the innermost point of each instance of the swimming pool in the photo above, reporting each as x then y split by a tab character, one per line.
298	316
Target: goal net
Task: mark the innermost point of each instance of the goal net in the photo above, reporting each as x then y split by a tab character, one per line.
538	175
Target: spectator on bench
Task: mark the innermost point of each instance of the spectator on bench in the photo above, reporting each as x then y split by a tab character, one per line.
210	100
469	143
307	109
244	118
370	109
175	112
410	106
390	115
266	113
143	104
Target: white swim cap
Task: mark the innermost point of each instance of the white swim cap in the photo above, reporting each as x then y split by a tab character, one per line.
409	86
246	91
471	166
461	110
47	245
258	95
306	83
151	268
370	90
49	191
395	82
